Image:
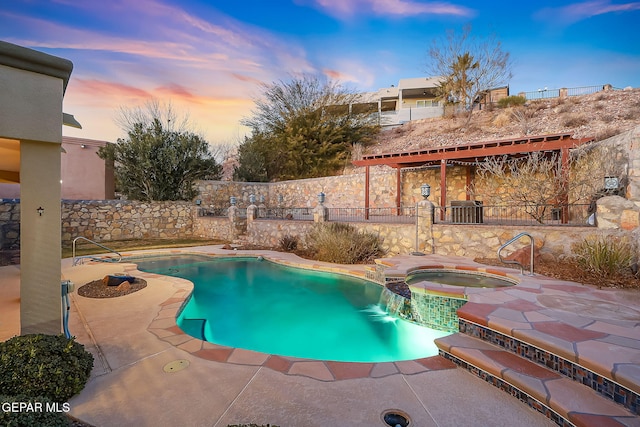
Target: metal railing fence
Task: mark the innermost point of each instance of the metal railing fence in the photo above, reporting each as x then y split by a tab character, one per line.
299	214
468	212
404	215
531	214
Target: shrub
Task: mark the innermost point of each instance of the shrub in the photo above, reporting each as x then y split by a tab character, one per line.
50	366
289	243
343	244
40	412
575	120
512	101
606	256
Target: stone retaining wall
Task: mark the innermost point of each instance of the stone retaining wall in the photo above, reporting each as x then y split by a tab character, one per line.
10	225
343	191
105	220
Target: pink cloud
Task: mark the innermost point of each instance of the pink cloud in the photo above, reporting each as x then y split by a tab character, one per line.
103	90
348	8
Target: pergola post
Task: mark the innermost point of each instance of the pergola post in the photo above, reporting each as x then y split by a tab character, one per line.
366	192
564	181
398	189
443	188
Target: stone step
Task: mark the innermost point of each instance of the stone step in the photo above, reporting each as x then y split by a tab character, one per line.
561	399
570	351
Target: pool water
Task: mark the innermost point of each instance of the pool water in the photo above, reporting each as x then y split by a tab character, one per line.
262	306
455	278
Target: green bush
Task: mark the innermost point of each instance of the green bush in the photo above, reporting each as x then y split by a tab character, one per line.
50	366
289	243
39	412
343	244
606	256
512	101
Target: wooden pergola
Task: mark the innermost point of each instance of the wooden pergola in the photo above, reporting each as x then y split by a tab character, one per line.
468	153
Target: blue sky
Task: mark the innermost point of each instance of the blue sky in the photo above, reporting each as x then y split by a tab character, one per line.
208	57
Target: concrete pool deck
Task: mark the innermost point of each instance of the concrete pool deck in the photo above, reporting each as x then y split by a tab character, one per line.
147	372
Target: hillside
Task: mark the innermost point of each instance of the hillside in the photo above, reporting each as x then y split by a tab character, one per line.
600	115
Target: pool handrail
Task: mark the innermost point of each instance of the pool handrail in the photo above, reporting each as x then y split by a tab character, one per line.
512	261
77	260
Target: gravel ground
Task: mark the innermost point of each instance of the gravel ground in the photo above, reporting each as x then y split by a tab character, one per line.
599	115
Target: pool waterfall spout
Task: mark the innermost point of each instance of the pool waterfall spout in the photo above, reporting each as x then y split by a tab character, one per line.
430	310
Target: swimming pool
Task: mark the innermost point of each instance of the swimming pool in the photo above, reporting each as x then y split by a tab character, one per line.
263	306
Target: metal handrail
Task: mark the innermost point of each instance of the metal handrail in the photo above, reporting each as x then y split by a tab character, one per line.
510	261
77	259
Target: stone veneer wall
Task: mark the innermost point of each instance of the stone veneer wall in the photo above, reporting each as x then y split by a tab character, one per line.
484	240
10	225
460	240
344	191
105	220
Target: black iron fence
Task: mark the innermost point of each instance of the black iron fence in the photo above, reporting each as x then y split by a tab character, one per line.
404	215
556	93
527	214
459	212
220	212
299	214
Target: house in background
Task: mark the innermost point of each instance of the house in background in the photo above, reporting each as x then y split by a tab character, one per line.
414	99
84	175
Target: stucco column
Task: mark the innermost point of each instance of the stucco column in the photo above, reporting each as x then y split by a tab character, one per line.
252	213
320	213
424	227
40	238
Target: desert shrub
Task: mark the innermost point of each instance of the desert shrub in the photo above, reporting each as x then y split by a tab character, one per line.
50	366
502	119
40	412
605	256
564	108
574	121
343	244
632	114
607	133
288	243
512	101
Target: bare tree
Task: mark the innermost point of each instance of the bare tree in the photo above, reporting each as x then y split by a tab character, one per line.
537	181
469	67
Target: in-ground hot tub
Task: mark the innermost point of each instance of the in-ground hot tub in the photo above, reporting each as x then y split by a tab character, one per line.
469	279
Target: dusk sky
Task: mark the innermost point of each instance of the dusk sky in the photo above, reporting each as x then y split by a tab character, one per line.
208	57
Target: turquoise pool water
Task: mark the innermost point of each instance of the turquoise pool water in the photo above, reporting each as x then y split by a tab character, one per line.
259	305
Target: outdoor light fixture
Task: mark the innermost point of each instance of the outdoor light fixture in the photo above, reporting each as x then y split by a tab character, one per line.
611	183
232	199
321	197
425	190
262	198
198	202
252	199
40	210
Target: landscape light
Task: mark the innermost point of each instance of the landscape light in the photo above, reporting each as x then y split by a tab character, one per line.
425	190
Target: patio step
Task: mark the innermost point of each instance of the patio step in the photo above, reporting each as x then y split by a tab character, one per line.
546	349
561	399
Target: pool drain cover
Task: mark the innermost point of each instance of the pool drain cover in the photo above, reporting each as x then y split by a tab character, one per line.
176	365
395	418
